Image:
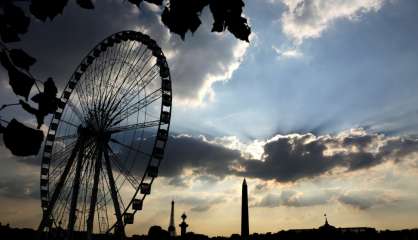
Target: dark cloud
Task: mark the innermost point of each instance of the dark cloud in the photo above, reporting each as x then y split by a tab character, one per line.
19	187
287	158
185	152
295	157
179	181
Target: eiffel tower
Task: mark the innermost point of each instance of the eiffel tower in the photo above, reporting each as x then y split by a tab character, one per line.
171	227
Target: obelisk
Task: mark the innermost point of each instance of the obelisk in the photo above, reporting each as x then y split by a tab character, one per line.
244	212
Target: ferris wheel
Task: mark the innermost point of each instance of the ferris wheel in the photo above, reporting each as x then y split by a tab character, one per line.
106	140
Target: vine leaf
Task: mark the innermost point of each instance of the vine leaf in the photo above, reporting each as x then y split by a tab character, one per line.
22	140
42	9
21	59
47	102
12	22
87	4
20	82
227	15
182	16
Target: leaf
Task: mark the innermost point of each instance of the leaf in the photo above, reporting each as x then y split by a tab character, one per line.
7	33
15	18
4	60
12	22
42	9
87	4
20	82
46	100
22	140
49	88
21	59
227	15
183	15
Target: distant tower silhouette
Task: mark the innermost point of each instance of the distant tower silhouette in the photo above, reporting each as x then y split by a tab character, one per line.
183	225
244	212
172	226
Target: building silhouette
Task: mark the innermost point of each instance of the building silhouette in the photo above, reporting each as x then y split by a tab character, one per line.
244	211
172	226
183	225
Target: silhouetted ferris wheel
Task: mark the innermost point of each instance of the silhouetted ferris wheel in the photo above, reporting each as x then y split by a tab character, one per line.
106	140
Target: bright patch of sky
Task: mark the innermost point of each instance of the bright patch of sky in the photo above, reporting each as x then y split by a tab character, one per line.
354	72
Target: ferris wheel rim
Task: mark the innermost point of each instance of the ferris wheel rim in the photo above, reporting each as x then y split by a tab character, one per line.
164	118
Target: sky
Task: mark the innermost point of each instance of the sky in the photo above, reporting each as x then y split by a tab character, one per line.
318	112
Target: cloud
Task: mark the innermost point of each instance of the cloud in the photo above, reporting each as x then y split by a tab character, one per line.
201	204
367	199
285	158
20	186
288	53
292	157
307	19
203	157
291	198
359	199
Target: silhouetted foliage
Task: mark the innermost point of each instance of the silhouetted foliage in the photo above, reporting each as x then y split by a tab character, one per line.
43	9
12	22
22	140
21	59
20	82
227	15
47	102
182	16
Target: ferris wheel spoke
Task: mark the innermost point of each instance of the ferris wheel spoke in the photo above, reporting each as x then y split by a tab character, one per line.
69	123
114	193
85	180
58	187
83	97
128	98
129	87
114	99
109	95
141	86
93	199
76	111
75	191
128	111
81	102
124	170
66	137
129	147
136	126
